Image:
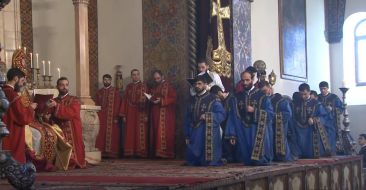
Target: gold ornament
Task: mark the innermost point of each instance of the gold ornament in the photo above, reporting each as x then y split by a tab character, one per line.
221	58
272	78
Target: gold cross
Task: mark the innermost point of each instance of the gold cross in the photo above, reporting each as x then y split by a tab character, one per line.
241	104
203	107
220	56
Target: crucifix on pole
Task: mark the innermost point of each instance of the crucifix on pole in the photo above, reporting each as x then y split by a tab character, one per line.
221	57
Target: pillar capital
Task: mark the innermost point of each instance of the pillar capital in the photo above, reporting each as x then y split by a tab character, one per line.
76	2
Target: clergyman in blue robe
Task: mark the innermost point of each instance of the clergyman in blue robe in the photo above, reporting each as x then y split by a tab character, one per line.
229	102
202	127
309	117
334	106
249	124
280	123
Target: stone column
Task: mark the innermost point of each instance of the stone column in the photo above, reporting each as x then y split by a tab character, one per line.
82	51
88	112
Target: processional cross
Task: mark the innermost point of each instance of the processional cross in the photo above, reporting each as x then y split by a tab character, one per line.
220	56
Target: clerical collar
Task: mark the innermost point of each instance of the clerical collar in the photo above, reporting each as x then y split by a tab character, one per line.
136	82
107	87
226	95
248	91
363	146
307	100
325	95
202	93
64	96
10	85
201	73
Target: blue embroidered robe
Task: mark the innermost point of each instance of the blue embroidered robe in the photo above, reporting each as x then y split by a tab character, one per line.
205	144
335	108
311	139
252	131
281	120
228	150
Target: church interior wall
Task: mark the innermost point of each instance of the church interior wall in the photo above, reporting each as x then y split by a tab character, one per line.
9	31
120	40
54	37
356	112
265	43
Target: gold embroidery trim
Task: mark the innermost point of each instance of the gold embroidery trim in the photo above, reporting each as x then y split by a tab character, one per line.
209	135
259	139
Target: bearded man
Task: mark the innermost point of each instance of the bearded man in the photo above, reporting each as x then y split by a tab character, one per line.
202	126
163	109
65	110
108	139
17	116
250	126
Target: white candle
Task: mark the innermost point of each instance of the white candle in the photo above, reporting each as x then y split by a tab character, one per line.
59	72
344	83
37	60
6	57
49	68
25	50
44	67
31	59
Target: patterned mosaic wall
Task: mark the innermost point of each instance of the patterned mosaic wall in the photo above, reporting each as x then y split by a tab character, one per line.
93	46
241	37
165	48
26	24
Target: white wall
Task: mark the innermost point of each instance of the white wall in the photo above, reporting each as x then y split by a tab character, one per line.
120	37
54	37
265	43
356	112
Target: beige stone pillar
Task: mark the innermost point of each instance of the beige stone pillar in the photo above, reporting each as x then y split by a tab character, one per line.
82	51
88	112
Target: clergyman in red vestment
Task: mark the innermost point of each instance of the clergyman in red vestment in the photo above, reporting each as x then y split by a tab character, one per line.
108	139
65	111
134	111
163	109
17	116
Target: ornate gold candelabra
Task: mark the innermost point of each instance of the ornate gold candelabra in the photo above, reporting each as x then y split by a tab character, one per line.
348	141
50	81
45	81
38	74
35	77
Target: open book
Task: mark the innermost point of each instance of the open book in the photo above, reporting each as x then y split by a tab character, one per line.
148	96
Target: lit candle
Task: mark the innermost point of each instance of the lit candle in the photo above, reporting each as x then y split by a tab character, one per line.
59	72
49	68
44	67
25	50
344	83
31	59
6	57
37	60
20	47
